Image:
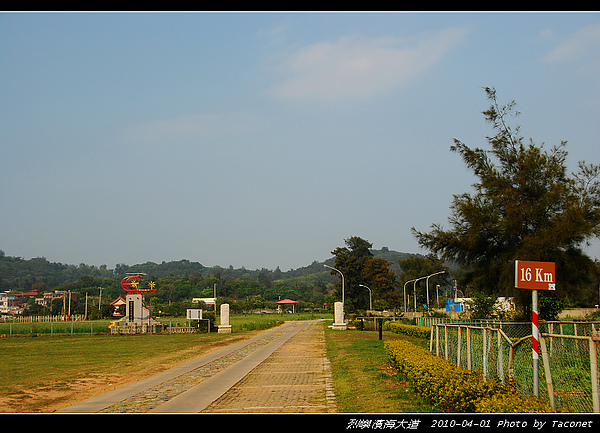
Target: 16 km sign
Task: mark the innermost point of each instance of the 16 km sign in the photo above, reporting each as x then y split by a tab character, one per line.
535	275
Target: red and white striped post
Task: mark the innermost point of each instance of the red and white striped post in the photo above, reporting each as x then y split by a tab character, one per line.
535	276
535	332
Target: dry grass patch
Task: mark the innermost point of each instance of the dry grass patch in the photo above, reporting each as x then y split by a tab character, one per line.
44	374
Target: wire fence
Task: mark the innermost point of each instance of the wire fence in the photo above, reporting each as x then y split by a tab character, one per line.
55	327
568	373
77	325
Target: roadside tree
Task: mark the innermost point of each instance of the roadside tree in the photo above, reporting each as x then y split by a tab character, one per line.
524	206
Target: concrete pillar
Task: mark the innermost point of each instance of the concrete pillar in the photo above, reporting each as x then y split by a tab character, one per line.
338	314
224	327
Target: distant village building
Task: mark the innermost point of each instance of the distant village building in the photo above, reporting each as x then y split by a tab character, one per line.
15	303
8	303
207	301
460	305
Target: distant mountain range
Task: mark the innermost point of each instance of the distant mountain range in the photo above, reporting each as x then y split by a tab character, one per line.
17	273
310	272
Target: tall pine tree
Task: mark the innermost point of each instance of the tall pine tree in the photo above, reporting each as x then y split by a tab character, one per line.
524	206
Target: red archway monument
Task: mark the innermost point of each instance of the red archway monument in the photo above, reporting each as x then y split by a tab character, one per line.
286	302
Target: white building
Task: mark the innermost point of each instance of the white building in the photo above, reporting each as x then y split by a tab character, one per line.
8	303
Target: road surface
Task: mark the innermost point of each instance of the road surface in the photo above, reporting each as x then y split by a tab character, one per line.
282	371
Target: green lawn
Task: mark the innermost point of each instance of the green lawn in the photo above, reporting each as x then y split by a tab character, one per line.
363	381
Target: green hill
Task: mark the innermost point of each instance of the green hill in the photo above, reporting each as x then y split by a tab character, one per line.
18	274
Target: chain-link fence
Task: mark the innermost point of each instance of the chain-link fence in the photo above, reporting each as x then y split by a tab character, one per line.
568	373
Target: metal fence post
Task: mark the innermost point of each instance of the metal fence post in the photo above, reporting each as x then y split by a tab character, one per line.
431	338
594	371
458	349
500	358
469	348
485	354
546	362
446	342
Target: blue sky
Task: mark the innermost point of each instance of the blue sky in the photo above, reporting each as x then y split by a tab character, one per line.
266	139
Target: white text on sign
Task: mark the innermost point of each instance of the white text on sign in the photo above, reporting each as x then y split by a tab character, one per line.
535	275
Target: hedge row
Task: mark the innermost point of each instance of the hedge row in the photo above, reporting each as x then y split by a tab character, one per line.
453	389
410	330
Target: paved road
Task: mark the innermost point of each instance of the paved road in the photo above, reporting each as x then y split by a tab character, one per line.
284	370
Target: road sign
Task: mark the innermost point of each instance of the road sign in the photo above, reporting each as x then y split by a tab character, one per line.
193	314
535	275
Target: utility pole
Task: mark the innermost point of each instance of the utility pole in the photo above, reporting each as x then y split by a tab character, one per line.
100	301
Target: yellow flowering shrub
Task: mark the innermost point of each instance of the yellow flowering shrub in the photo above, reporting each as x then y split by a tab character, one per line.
512	403
410	330
448	386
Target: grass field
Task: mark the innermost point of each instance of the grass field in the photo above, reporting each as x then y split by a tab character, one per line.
362	379
44	374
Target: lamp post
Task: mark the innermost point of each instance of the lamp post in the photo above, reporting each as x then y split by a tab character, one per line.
340	272
415	290
370	296
410	281
428	277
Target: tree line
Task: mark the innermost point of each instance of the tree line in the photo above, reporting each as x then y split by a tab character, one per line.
178	282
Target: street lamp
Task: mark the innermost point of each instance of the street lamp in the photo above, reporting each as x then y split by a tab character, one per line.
429	276
415	290
340	272
370	296
410	281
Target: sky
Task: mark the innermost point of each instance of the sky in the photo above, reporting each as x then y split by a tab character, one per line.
264	140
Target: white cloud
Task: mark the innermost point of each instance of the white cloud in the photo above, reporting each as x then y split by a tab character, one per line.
584	43
354	67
